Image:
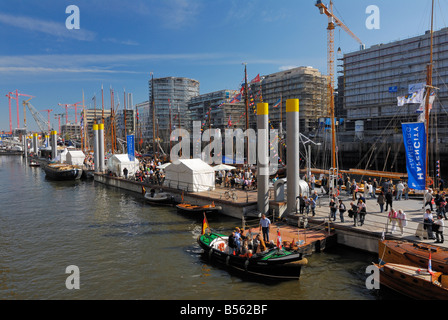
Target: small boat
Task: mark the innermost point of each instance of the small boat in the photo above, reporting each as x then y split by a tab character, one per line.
413	254
160	197
414	282
34	164
186	207
272	264
61	171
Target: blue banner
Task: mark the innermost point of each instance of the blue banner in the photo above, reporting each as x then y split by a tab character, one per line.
131	147
414	137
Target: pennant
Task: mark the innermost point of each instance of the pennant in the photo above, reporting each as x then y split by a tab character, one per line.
279	240
229	123
430	264
204	225
278	103
256	79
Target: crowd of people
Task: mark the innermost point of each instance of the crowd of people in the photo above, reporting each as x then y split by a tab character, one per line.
246	179
386	195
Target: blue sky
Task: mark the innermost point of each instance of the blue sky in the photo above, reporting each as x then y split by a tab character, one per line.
120	42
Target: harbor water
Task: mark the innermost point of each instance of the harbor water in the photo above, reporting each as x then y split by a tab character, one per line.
127	249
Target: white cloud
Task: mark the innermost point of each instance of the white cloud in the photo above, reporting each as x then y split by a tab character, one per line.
48	27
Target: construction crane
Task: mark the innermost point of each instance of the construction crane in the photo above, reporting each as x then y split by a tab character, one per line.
24	111
40	120
333	21
48	111
10	96
74	105
58	116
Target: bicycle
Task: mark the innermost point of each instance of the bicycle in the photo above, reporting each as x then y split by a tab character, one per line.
230	194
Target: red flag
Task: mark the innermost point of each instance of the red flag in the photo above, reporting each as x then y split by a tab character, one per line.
256	79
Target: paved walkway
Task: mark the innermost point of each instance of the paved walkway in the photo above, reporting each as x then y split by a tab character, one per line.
376	221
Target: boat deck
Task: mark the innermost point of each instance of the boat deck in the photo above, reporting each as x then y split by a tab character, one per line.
309	240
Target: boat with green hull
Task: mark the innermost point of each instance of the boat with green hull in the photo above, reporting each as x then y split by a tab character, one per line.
272	264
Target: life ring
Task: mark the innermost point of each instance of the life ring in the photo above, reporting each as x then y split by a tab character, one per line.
340	175
337	192
430	182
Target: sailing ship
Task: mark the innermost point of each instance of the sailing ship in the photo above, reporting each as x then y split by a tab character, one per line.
414	282
413	254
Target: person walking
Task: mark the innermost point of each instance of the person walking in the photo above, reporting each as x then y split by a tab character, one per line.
428	221
353	213
265	225
341	210
312	205
428	199
439	224
381	200
389	198
406	191
402	222
400	188
362	210
333	208
392	219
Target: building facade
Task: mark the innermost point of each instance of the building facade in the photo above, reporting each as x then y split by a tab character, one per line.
372	81
171	96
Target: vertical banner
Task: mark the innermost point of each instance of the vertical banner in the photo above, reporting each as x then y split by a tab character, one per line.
414	137
131	147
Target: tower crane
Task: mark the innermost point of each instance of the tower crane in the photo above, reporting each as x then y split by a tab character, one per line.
74	105
333	21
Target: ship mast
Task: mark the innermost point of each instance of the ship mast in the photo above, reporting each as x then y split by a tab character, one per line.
428	93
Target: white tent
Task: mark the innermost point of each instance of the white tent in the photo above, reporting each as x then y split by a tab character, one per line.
191	175
118	162
75	157
224	167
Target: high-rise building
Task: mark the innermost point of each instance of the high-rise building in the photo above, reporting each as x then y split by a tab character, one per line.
304	83
372	81
170	95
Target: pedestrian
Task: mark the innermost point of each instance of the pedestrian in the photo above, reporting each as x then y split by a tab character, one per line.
312	205
428	221
439	229
441	206
362	210
428	199
400	188
265	224
353	213
402	222
333	208
341	210
301	204
125	172
374	186
406	191
389	198
381	200
392	219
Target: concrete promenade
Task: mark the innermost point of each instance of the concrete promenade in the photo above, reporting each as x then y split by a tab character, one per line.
377	222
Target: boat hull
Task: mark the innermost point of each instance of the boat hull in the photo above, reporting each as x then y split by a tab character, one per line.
279	268
408	281
160	199
198	209
61	174
413	254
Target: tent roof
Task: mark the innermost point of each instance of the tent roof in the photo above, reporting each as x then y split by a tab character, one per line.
122	158
190	165
76	153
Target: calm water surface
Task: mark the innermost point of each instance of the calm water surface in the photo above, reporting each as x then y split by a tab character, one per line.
126	249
